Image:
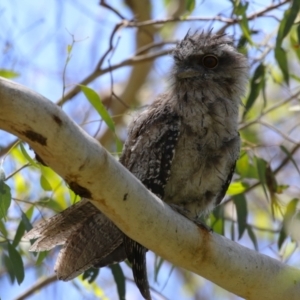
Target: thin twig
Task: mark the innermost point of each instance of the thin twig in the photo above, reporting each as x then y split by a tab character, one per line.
127	62
148	47
104	4
16	171
256	14
129	24
111	46
228	21
287	159
276	170
279	132
40	284
275	106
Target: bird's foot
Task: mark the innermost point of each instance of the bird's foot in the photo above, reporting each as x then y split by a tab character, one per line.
186	213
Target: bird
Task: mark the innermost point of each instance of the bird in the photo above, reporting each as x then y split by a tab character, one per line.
183	147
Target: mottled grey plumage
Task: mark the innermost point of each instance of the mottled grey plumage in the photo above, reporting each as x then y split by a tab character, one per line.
183	148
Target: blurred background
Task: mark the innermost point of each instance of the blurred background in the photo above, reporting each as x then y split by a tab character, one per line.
122	50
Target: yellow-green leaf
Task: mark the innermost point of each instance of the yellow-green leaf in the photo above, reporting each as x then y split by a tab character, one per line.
45	183
9	74
96	102
27	156
236	188
69	49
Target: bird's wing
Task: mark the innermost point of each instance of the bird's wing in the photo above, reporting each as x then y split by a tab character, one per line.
150	149
148	154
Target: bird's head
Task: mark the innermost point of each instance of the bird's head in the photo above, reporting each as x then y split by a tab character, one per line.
210	61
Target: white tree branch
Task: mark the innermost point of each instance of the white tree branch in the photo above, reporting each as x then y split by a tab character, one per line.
94	173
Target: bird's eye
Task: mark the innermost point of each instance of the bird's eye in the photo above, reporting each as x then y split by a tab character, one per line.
210	61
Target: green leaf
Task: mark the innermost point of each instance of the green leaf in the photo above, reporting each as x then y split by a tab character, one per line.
242	213
50	203
17	263
41	256
190	5
252	237
241	46
167	2
287	22
45	183
90	274
119	279
232	231
261	165
119	145
2	174
240	8
69	49
245	168
9	74
26	218
286	151
23	225
298	34
5	199
19	233
271	182
285	26
295	45
281	188
256	84
3	229
287	218
282	237
217	219
27	156
280	56
96	102
158	263
245	29
236	188
9	267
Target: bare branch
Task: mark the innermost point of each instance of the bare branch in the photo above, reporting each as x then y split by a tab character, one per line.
127	23
39	285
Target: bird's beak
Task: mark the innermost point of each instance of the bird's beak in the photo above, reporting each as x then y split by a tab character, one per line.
187	73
